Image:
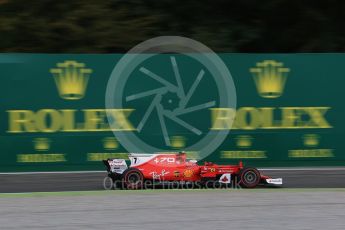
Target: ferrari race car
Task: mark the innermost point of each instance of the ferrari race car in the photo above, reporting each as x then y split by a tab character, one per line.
174	168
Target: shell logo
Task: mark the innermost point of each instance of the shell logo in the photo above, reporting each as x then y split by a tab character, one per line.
188	173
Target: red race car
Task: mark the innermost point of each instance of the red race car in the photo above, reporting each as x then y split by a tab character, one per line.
174	168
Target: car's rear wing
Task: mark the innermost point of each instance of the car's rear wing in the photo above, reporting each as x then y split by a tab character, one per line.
115	165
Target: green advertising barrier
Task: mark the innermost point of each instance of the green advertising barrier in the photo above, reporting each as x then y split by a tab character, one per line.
290	110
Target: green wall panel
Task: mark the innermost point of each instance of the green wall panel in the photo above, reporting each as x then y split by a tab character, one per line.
290	110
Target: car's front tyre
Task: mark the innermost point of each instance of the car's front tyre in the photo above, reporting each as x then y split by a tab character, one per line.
249	177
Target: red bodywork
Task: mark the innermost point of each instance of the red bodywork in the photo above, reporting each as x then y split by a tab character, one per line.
175	167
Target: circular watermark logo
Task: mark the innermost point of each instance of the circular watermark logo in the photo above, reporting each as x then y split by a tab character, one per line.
172	85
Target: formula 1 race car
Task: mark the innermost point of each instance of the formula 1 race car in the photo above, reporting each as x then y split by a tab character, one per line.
174	168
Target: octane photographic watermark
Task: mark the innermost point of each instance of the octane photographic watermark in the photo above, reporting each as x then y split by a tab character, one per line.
170	85
171	88
118	184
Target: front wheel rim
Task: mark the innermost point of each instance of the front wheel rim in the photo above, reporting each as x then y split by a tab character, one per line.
250	177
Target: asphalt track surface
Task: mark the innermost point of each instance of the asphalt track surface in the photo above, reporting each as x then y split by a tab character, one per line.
310	199
299	178
177	209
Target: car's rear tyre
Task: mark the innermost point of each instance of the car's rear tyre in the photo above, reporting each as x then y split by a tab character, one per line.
133	178
249	177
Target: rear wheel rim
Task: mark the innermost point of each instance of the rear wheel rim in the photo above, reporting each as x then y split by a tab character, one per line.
134	178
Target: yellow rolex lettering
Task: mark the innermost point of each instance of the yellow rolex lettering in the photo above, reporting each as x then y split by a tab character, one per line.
104	156
313	117
317	117
48	120
41	158
247	118
310	153
222	118
119	117
270	118
243	154
68	120
21	121
90	120
95	119
267	118
291	117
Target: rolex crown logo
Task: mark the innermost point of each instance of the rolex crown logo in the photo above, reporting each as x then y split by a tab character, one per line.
41	144
71	79
311	140
270	77
244	141
110	143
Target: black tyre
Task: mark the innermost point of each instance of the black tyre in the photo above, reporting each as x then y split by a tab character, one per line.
133	178
249	177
